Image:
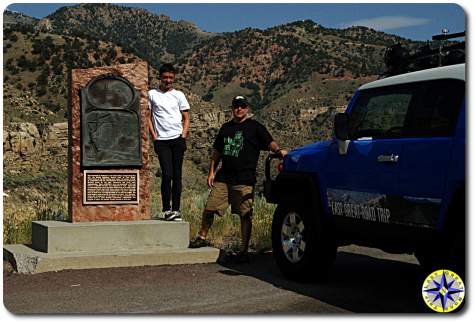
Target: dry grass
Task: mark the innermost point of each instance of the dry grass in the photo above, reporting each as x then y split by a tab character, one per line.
17	219
31	197
225	232
26	205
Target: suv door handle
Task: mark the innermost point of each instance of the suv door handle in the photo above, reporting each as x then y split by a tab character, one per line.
388	158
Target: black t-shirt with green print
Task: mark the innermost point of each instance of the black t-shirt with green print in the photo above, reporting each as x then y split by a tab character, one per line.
239	145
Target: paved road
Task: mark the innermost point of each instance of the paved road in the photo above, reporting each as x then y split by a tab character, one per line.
363	280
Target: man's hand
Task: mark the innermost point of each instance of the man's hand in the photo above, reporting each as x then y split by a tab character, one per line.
210	180
186	123
282	153
214	162
274	148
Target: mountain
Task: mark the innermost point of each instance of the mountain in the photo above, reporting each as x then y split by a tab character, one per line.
36	62
297	75
155	38
266	64
17	18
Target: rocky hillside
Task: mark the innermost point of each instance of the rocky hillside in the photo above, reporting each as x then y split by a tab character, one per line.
155	38
267	64
15	18
263	64
25	143
305	114
37	63
297	75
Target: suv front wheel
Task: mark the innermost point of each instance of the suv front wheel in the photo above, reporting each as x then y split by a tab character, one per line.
300	248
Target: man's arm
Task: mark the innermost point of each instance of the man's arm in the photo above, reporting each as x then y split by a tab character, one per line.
151	129
186	123
213	163
274	147
265	137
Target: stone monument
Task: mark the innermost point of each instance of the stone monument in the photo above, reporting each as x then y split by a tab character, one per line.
108	159
110	222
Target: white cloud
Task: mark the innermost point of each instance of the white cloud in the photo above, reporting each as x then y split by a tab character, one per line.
387	22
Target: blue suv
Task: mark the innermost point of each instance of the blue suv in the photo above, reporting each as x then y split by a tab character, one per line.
393	177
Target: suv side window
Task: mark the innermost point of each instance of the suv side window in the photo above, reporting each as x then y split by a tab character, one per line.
380	113
416	110
436	115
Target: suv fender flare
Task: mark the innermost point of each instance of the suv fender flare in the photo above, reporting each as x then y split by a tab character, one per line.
454	216
290	188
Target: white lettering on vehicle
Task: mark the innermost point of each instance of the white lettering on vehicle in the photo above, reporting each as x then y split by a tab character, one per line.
360	211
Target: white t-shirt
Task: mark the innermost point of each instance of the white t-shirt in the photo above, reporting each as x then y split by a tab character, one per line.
166	108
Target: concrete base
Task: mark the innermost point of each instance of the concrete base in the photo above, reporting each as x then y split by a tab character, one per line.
29	261
62	245
59	236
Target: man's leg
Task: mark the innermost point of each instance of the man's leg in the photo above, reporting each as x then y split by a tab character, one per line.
241	203
217	202
165	159
206	223
178	151
246	230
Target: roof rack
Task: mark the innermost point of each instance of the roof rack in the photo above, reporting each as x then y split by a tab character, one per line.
400	60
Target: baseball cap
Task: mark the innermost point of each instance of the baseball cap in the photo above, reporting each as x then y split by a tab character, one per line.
240	100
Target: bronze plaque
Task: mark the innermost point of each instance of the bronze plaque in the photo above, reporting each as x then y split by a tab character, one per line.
110	123
111	187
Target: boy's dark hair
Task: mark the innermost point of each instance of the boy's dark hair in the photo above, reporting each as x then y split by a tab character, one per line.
167	67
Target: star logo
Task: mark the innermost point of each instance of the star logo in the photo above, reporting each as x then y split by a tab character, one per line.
443	291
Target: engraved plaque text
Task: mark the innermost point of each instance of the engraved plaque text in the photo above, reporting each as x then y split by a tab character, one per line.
111	187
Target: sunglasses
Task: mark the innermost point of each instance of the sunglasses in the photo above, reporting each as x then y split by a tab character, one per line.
239	106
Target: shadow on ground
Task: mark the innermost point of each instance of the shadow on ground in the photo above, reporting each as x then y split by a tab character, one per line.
357	283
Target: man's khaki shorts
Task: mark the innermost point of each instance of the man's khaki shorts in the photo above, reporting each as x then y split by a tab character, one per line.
239	196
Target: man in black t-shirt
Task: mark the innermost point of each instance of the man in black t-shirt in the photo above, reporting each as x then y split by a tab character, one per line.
237	145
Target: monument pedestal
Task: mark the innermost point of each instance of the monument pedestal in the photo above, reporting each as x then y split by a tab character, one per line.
60	245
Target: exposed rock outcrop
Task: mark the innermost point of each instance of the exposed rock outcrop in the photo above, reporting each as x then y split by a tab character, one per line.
29	147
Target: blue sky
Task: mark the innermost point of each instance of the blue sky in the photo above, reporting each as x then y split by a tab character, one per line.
414	21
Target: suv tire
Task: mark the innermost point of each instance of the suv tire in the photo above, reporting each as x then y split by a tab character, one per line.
450	256
448	251
300	248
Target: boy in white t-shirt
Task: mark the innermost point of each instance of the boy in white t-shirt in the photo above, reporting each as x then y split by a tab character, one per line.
168	125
